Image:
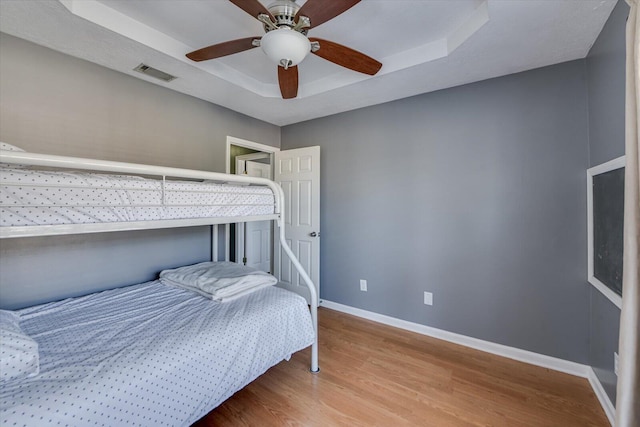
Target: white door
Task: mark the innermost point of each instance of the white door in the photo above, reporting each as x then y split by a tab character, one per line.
253	239
262	170
298	173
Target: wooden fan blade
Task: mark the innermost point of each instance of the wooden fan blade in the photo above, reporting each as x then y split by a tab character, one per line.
252	7
346	57
288	80
320	11
222	49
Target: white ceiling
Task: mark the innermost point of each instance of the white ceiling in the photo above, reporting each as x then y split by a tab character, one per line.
424	45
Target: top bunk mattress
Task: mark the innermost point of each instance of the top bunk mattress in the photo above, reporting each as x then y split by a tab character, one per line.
33	197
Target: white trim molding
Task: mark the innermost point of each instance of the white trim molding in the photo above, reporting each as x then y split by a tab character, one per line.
232	140
525	356
603	397
530	357
614	164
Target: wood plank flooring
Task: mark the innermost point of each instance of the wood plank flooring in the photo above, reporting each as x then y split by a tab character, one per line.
376	375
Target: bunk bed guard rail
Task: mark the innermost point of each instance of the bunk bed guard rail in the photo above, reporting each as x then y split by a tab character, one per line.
63	162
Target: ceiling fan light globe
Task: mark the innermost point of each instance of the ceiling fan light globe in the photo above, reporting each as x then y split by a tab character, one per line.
285	45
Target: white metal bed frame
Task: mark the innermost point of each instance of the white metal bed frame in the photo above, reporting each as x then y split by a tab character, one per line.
46	160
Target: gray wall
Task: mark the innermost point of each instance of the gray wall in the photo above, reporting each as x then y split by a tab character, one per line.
36	270
56	104
606	87
474	193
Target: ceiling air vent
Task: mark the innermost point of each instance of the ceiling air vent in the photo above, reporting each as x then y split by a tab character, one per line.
153	72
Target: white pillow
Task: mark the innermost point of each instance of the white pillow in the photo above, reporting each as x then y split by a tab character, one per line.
9	147
19	356
220	281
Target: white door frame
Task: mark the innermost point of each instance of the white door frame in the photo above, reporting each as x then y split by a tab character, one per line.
231	140
246	144
244	158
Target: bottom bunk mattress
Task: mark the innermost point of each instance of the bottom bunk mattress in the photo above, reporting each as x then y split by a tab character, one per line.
149	354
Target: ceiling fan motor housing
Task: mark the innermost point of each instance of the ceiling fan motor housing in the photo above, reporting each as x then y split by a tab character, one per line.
284	12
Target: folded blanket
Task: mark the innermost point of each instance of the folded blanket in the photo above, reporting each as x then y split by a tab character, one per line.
220	281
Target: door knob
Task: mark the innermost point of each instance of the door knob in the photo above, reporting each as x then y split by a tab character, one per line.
314	234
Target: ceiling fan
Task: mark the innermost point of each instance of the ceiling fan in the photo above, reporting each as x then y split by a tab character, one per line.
286	43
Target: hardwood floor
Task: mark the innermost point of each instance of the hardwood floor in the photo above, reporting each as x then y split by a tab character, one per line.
376	375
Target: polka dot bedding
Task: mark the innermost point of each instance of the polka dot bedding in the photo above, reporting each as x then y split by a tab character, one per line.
149	355
32	197
19	356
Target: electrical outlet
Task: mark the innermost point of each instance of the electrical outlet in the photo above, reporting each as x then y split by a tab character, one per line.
428	298
615	363
363	285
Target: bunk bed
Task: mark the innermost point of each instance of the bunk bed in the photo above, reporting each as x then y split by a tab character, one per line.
147	354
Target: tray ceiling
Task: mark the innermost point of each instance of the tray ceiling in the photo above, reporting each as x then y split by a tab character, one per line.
423	45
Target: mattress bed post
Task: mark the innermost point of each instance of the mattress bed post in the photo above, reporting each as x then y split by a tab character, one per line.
214	242
279	194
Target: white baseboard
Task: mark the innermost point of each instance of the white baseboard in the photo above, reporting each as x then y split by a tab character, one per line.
603	397
525	356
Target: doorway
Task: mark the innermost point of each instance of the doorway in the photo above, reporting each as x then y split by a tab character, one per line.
297	171
253	239
250	243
